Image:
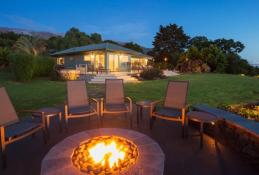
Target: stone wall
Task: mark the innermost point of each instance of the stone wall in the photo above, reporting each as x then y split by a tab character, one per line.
237	138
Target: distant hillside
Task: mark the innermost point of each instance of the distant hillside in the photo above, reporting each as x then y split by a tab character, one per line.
40	34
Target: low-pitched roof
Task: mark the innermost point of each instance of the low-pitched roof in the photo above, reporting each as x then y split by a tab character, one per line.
101	46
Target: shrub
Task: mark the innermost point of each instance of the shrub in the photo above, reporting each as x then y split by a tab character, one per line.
4	57
188	65
44	66
23	66
151	74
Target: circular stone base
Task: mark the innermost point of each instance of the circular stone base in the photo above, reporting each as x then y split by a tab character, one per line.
150	161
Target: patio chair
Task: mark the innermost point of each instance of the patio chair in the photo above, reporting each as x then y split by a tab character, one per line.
78	104
115	101
175	104
11	128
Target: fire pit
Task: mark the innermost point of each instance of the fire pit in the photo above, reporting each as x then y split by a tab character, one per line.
105	155
105	151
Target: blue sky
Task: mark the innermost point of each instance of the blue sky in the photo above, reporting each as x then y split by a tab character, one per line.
139	20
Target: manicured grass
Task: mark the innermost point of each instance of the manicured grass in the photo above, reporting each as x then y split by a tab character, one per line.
213	89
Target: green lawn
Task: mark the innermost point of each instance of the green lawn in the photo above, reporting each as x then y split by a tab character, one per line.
213	89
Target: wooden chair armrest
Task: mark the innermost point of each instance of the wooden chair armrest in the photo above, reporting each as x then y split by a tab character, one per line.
130	103
65	108
153	105
96	102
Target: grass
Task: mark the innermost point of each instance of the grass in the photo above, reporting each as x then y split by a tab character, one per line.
213	89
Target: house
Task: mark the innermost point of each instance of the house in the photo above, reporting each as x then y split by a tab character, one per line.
102	57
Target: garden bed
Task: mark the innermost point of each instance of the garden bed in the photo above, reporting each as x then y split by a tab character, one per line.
249	110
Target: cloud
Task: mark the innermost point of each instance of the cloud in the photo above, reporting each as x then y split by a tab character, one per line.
27	23
124	31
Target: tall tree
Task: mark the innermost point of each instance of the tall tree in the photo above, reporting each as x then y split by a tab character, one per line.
30	45
134	46
75	38
199	42
229	45
169	43
96	38
214	57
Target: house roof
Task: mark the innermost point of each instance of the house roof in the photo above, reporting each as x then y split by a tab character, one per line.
101	46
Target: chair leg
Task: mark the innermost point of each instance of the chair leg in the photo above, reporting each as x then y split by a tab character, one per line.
187	128
4	156
102	120
130	118
183	131
201	133
151	122
66	123
60	121
44	134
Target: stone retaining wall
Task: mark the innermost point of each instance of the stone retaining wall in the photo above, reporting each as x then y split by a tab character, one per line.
239	133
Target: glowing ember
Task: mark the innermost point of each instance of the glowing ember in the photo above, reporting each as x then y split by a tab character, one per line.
105	154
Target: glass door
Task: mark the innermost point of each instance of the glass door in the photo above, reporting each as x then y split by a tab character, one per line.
113	62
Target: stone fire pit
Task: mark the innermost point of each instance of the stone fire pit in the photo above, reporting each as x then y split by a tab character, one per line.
142	154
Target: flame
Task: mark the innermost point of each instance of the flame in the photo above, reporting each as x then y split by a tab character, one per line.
107	152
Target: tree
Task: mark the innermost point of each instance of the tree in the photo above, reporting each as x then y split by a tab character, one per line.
169	43
4	54
96	38
199	42
8	39
134	46
229	45
75	38
237	65
190	61
30	45
214	57
110	41
56	43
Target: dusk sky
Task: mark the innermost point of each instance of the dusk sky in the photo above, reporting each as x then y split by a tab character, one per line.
139	20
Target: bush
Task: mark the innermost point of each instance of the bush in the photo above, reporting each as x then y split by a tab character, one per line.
188	65
44	66
151	74
23	66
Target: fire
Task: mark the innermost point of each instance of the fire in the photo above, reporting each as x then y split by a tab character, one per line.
105	155
111	152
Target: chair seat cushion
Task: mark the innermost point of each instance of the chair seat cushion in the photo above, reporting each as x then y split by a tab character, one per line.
21	127
168	112
115	107
80	110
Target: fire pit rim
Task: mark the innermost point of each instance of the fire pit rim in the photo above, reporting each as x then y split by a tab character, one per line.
58	159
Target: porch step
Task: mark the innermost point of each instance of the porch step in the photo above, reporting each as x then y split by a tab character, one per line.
100	78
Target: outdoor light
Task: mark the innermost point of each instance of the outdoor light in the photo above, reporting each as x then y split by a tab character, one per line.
165	59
